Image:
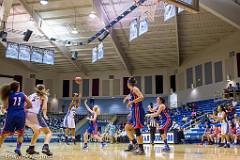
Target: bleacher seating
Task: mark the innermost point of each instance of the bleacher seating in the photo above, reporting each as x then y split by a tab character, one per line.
192	134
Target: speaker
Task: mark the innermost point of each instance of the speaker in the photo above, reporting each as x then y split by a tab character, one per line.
27	35
74	55
3	35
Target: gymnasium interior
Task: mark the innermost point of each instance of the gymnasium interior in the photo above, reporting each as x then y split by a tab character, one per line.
186	51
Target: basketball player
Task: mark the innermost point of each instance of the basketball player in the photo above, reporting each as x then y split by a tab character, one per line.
69	122
166	121
130	129
14	102
93	127
137	114
35	120
222	118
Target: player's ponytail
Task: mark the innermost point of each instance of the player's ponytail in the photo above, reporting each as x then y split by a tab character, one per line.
8	88
162	100
96	109
132	81
41	90
223	109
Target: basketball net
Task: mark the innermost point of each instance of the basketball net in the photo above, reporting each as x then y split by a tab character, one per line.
148	9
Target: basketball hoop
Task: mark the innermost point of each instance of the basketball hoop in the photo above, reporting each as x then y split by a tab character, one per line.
148	9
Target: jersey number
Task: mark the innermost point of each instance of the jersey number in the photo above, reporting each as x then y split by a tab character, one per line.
17	101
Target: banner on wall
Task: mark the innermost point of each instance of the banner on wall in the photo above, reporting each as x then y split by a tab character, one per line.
147	138
170	12
133	33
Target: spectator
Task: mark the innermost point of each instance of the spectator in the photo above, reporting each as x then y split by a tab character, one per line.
174	126
180	135
238	131
230	113
233	133
112	131
184	119
216	135
206	135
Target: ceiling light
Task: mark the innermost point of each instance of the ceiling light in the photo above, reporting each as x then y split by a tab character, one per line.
74	31
3	35
92	15
74	55
44	2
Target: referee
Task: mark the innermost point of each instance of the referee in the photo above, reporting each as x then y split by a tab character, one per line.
152	122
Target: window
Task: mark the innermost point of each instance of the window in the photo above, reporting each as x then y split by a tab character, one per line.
218	72
148	84
198	75
116	87
189	75
173	82
85	91
125	88
159	84
105	88
208	73
95	87
65	88
75	87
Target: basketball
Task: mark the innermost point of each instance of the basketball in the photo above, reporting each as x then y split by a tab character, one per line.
78	80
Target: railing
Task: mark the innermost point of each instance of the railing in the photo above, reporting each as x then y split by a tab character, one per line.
189	124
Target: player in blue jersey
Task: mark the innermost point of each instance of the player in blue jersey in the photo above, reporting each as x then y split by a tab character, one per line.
14	103
137	112
93	126
166	121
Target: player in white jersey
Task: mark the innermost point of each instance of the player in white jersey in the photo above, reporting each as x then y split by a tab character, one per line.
35	119
222	118
69	122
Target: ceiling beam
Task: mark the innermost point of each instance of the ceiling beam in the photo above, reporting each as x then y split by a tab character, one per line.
227	10
37	2
49	32
103	15
66	17
42	10
4	12
178	40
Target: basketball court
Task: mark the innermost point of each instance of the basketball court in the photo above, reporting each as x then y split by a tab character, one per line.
115	151
185	51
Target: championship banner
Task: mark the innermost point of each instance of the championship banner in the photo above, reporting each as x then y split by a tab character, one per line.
170	12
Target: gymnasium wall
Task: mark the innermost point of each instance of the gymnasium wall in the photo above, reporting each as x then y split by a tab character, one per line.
106	84
218	52
111	105
13	67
